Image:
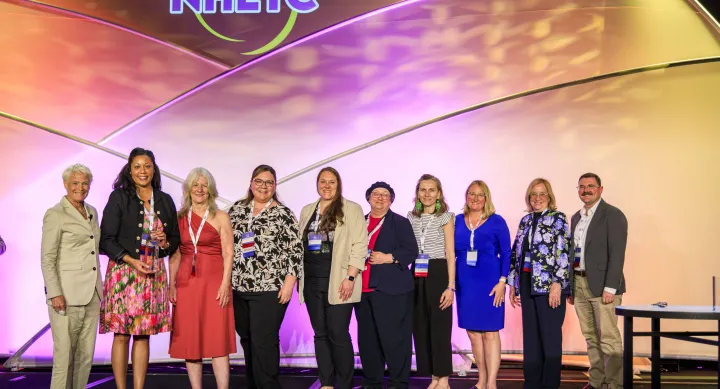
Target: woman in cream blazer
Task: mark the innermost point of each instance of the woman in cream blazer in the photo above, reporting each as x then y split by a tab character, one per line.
335	239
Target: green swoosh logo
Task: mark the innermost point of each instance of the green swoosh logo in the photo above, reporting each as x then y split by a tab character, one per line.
275	42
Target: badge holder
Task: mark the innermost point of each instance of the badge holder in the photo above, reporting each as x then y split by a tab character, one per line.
526	263
576	264
248	244
472	258
314	242
421	265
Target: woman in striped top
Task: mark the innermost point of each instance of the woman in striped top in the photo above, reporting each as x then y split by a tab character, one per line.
434	271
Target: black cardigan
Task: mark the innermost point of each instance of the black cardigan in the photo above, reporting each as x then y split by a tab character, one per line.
121	226
396	237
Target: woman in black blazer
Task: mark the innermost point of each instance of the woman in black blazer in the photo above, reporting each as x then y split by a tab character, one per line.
137	219
385	311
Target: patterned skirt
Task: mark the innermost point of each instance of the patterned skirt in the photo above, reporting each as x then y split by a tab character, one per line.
135	303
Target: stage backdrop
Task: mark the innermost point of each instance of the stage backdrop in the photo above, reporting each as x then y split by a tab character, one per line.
651	136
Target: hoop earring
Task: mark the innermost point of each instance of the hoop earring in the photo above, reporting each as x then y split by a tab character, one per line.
418	206
437	205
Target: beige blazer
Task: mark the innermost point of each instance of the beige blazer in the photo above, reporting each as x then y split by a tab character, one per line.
70	254
350	246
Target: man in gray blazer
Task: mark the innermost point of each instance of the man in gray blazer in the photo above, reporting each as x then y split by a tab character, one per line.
73	288
599	238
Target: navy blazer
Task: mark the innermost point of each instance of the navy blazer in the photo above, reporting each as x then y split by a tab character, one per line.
396	237
121	226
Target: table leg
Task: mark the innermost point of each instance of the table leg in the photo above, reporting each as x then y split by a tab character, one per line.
655	354
628	353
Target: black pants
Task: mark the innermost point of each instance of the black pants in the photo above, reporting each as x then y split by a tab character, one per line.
432	326
258	316
542	338
331	324
385	336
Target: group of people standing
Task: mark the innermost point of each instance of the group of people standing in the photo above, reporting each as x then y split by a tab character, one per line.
236	271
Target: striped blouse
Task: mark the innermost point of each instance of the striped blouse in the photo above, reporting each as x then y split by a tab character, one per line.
434	244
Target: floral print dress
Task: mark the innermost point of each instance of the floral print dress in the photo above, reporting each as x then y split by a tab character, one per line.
136	303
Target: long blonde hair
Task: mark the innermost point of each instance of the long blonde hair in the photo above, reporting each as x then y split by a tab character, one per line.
191	179
489	207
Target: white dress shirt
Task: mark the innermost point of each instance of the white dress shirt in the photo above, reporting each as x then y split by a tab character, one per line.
580	235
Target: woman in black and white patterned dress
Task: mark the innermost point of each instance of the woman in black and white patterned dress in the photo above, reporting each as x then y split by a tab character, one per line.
268	262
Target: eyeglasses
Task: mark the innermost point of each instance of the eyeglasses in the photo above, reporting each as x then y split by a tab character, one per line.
541	195
258	182
478	195
588	187
382	196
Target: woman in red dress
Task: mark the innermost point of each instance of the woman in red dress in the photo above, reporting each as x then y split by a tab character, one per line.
203	319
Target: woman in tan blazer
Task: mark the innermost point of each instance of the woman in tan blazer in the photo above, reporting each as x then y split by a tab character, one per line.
335	240
71	273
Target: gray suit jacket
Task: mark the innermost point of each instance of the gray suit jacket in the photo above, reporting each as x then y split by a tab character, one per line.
605	244
70	253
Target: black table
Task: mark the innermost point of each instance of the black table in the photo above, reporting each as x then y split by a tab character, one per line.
656	313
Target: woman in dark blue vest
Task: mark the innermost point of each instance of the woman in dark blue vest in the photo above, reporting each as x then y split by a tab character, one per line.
385	311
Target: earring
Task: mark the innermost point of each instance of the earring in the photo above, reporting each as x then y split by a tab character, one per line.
418	205
437	205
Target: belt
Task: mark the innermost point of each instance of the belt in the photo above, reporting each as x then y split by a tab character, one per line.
581	273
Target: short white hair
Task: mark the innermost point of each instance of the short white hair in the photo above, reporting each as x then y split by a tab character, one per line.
77	168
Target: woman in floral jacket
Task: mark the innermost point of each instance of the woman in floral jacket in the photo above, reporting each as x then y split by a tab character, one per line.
539	276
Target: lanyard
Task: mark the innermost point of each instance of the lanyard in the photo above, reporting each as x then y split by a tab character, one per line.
151	212
251	219
423	234
316	223
377	227
472	232
193	237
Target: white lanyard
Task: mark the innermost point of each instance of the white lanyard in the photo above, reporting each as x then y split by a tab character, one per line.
377	227
151	212
252	209
316	223
193	237
472	232
423	234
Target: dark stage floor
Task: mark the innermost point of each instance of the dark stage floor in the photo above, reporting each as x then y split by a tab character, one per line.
173	376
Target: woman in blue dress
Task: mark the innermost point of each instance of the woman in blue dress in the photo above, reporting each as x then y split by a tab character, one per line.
482	247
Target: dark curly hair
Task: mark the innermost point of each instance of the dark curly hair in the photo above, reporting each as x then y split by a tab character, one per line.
124	179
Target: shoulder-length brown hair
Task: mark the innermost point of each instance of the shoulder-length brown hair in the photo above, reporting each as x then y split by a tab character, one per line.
552	205
441	199
489	207
334	214
260	169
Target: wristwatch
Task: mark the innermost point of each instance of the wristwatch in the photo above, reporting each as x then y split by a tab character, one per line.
503	279
351	278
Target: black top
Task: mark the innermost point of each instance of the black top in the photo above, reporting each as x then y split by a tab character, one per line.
278	248
317	263
396	237
702	312
122	221
526	244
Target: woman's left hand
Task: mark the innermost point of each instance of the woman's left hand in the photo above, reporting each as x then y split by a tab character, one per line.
346	289
446	299
554	297
160	236
223	294
285	293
